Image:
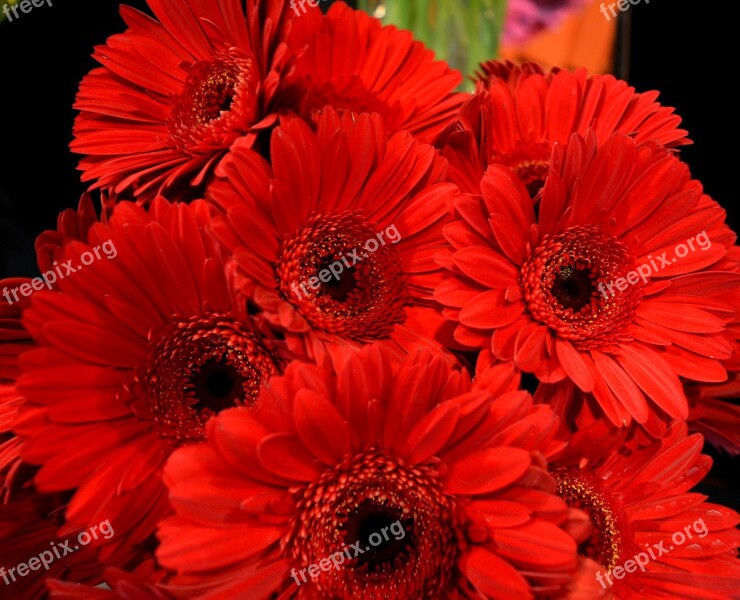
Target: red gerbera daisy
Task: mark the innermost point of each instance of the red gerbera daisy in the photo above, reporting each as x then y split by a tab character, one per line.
713	411
175	93
71	225
611	286
335	241
518	112
136	352
327	462
349	61
652	538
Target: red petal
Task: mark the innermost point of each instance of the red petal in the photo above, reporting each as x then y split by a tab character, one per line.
623	386
486	471
431	433
490	310
574	364
321	428
203	548
486	266
656	378
536	544
500	513
493	577
285	456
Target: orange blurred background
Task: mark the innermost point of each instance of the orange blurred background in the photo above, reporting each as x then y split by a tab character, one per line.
585	39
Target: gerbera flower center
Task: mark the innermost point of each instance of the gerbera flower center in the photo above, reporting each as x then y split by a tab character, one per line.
210	91
530	163
370	524
604	544
346	95
198	368
217	103
217	385
572	285
343	277
396	529
339	289
564	283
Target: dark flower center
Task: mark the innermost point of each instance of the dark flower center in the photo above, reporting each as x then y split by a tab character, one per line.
533	173
217	385
381	531
573	286
398	531
345	94
338	288
210	91
343	275
531	163
198	368
217	104
604	544
569	284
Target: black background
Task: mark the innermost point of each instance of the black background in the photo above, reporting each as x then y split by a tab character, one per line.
685	49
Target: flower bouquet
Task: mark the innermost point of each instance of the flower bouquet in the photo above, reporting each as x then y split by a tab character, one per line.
325	328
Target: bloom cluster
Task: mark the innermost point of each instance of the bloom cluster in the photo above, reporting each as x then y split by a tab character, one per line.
236	431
